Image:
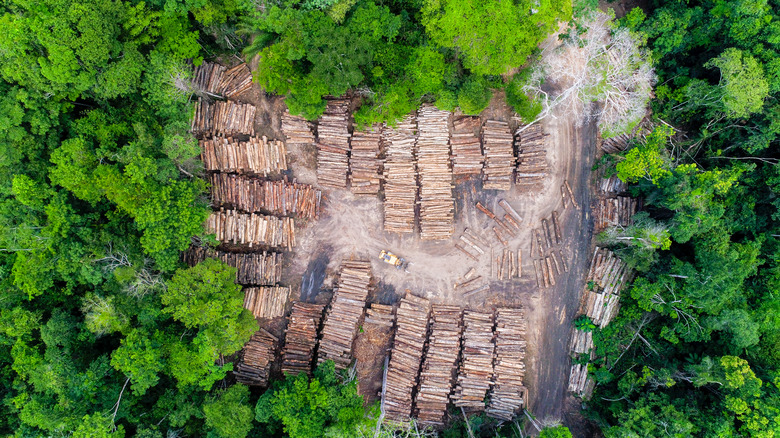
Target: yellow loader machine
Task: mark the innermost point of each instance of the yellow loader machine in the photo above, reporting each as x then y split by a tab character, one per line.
392	259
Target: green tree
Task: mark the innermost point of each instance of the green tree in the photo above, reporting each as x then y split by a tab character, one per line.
228	414
555	432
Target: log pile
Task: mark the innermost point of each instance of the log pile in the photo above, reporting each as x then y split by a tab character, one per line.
607	276
252	229
400	177
508	394
252	195
614	212
333	145
235	81
296	129
364	162
467	156
405	357
531	156
260	268
223	118
256	359
256	156
579	381
345	313
301	337
437	206
441	357
499	155
476	367
207	77
380	315
617	144
217	80
581	341
266	302
612	185
508	226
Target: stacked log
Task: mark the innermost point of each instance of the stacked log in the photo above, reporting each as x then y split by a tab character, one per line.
301	337
499	155
437	206
257	155
223	118
531	156
281	198
607	276
476	367
364	173
256	359
252	229
380	315
612	185
260	268
266	302
235	81
441	357
617	144
405	357
333	145
296	129
467	156
581	341
579	381
400	177
614	212
207	77
508	393
345	313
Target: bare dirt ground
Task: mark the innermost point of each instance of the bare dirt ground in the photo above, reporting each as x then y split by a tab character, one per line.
351	227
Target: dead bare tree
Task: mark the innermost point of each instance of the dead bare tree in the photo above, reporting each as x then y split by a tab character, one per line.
604	66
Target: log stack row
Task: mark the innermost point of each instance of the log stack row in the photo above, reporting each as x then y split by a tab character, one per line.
531	156
217	80
364	163
345	313
475	375
508	394
282	198
607	276
256	359
437	206
252	229
405	357
581	341
615	212
579	381
296	129
257	156
499	155
301	337
467	156
266	301
333	145
400	177
257	268
616	144
438	368
223	118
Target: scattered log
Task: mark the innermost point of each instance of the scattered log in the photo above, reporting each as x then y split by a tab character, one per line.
511	211
556	227
571	194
